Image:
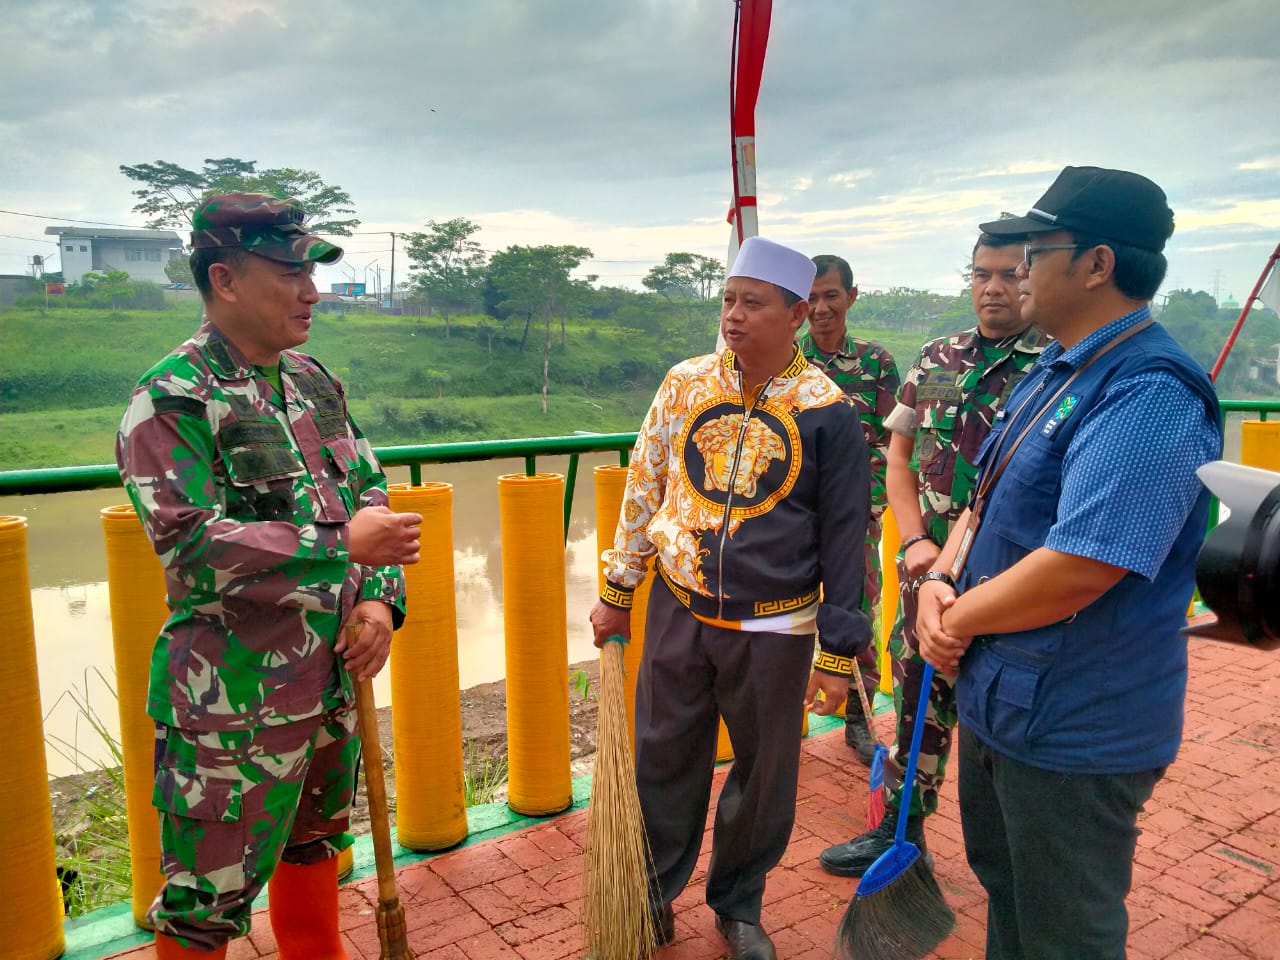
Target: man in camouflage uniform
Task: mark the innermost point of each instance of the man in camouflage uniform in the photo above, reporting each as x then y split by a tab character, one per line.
944	412
269	512
867	374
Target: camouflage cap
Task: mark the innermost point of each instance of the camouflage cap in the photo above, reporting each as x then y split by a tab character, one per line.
262	224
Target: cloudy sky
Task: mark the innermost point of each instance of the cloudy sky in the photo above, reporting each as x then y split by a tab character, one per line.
886	130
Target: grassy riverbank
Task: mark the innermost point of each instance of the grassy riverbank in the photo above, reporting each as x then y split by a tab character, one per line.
65	374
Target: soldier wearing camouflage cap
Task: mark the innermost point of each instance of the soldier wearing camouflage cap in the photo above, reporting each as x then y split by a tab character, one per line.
269	512
944	412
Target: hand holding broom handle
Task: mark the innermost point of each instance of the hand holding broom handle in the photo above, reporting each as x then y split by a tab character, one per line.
392	934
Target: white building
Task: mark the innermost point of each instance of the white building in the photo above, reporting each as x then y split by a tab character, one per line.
140	253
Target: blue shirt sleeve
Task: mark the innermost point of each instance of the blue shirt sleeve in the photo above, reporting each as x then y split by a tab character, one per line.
1129	480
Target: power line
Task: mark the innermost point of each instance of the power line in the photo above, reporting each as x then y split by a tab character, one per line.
93	223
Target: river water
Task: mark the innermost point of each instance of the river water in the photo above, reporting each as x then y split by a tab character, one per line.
70	600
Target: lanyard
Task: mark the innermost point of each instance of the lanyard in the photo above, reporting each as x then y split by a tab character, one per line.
990	475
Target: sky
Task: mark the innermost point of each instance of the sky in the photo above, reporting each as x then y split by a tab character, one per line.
886	131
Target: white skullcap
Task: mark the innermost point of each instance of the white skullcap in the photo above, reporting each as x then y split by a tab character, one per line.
761	259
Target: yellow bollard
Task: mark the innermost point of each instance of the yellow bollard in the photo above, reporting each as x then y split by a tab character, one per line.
611	482
426	714
137	589
724	748
531	511
890	541
346	863
31	900
1260	444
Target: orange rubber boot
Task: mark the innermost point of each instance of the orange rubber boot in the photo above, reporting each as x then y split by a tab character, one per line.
167	948
304	911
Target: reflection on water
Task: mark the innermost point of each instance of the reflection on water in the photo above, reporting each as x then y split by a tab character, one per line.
72	613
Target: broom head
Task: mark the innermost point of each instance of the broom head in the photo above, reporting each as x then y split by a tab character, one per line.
392	935
875	788
897	912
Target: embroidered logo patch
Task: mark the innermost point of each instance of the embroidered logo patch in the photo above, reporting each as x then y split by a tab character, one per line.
1064	410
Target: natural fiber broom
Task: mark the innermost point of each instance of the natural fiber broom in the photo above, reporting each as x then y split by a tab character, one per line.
875	781
392	933
897	911
617	921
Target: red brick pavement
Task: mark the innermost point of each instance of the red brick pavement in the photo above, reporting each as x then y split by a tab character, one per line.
1206	881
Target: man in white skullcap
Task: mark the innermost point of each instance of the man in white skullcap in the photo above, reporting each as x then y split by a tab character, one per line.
748	487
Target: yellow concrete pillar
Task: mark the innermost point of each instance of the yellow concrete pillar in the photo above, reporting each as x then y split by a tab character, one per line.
426	712
610	483
531	512
890	541
135	579
1260	444
30	898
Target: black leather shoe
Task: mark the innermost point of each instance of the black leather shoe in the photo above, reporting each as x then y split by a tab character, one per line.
853	858
857	735
746	940
664	925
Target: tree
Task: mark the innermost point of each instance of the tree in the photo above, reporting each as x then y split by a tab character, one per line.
446	265
535	282
170	194
686	275
178	270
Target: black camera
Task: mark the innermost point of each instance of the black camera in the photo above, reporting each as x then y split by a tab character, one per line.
1238	569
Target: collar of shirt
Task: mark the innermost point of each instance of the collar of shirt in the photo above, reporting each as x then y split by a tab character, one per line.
810	349
1082	351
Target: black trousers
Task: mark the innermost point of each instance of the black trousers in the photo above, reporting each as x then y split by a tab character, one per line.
1054	852
691	671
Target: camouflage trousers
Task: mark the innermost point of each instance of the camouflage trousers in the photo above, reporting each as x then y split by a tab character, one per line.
940	720
868	660
233	804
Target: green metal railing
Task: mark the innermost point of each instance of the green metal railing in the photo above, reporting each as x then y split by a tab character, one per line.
99	476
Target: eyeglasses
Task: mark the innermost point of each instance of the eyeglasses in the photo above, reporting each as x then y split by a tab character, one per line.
1029	251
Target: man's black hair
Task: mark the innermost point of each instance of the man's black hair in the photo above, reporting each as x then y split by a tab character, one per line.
1138	273
992	240
204	258
827	262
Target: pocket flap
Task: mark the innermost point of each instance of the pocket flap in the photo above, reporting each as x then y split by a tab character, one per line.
1017	685
196	796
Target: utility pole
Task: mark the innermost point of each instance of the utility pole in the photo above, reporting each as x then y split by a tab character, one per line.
392	298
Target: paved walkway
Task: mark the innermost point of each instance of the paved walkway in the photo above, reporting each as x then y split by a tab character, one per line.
1206	885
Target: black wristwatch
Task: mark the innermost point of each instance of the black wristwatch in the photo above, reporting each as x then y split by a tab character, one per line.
931	575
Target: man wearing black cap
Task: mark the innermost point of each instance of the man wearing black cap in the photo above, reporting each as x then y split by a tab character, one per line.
269	512
1060	594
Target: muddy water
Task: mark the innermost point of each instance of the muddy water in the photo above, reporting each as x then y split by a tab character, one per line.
70	600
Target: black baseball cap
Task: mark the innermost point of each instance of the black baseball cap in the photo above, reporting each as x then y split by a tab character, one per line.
1112	204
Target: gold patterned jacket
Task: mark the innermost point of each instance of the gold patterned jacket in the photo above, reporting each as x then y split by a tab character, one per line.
749	507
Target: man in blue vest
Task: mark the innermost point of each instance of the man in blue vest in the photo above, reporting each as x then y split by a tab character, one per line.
1082	536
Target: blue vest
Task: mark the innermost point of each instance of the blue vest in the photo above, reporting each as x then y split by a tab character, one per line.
1101	692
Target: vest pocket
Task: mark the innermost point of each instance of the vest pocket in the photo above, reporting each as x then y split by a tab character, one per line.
1009	674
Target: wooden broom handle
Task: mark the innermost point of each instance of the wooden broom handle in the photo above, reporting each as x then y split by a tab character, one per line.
375	783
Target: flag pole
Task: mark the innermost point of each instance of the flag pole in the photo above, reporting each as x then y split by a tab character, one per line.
1244	312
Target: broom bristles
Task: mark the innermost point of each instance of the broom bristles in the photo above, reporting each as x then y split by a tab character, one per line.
392	935
905	920
616	915
875	788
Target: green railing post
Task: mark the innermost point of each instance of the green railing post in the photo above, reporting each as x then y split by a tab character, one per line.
570	479
530	465
415	474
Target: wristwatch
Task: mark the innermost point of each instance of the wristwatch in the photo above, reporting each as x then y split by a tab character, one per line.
931	575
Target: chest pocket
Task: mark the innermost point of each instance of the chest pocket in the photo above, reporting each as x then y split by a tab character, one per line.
261	469
938	401
1025	502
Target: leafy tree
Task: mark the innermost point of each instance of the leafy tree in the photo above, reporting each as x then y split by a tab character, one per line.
178	270
169	194
686	275
446	266
534	282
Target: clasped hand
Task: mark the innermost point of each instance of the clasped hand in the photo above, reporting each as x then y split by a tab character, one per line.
937	645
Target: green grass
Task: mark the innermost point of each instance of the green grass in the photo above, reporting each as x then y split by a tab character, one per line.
92	833
61	397
482	775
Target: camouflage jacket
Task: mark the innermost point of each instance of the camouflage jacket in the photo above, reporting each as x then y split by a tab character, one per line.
749	506
867	374
247	506
947	402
